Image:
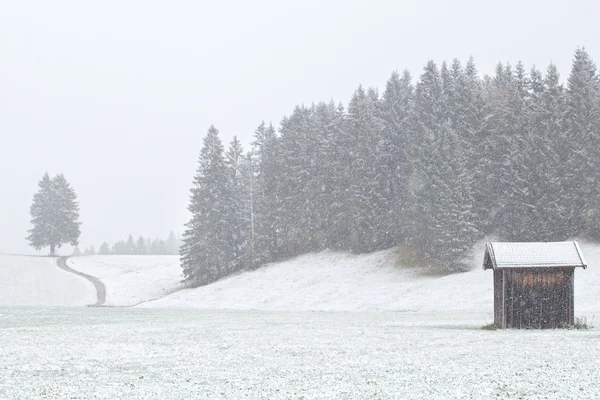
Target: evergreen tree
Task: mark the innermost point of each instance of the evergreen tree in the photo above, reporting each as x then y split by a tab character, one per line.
327	183
367	207
295	188
396	108
548	200
265	161
76	252
130	246
239	223
265	203
104	249
158	247
120	247
89	251
55	214
140	246
443	226
172	244
581	150
207	251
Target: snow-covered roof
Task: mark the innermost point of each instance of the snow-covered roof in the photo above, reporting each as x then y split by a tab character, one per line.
500	255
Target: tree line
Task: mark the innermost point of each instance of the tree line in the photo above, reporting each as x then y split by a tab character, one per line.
141	246
432	166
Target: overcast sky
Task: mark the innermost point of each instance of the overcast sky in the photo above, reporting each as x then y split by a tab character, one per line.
117	95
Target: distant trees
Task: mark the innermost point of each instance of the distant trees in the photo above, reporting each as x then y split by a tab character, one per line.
90	251
141	246
104	249
434	166
54	215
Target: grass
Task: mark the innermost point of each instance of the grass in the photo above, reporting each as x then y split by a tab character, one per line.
582	323
490	327
407	256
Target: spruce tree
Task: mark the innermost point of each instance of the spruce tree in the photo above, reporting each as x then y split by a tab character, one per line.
581	150
396	105
295	217
140	246
264	166
367	169
130	248
55	214
442	228
172	244
207	250
104	249
550	218
239	224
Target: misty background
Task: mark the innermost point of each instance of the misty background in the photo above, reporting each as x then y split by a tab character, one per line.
117	96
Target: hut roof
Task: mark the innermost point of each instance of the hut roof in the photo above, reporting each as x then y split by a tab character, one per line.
499	255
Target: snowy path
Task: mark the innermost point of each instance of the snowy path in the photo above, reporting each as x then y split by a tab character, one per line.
108	353
131	280
100	288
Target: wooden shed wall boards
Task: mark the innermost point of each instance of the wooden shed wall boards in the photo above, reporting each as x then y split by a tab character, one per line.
533	283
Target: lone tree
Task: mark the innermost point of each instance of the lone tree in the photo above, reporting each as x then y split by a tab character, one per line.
54	215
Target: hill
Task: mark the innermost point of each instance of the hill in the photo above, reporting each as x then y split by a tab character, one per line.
330	281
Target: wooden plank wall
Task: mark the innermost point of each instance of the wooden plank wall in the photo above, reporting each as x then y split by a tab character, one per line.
534	297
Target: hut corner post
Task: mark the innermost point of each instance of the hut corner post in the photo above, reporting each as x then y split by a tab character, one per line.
572	294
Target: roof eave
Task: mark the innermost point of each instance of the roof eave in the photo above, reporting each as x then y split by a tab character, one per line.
537	266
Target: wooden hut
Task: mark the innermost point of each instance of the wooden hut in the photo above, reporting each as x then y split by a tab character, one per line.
533	283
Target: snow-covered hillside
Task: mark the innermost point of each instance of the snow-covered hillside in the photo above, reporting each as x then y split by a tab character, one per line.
325	281
331	281
130	280
37	281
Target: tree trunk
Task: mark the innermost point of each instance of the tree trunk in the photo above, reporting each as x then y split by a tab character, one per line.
52	249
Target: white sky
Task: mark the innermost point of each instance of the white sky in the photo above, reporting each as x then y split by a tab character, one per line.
117	95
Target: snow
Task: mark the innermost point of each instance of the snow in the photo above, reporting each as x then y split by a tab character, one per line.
534	254
326	281
130	280
330	281
37	281
108	353
400	334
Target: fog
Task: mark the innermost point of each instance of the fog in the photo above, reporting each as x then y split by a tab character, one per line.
118	95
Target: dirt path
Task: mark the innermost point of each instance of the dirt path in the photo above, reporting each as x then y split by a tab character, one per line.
100	288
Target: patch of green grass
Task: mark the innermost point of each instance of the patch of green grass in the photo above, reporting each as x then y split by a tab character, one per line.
491	327
407	256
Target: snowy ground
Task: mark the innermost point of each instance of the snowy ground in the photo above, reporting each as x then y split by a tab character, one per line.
130	280
108	353
36	281
330	281
390	334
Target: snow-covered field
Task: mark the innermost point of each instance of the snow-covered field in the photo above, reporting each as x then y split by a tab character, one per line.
108	353
37	281
130	280
382	332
